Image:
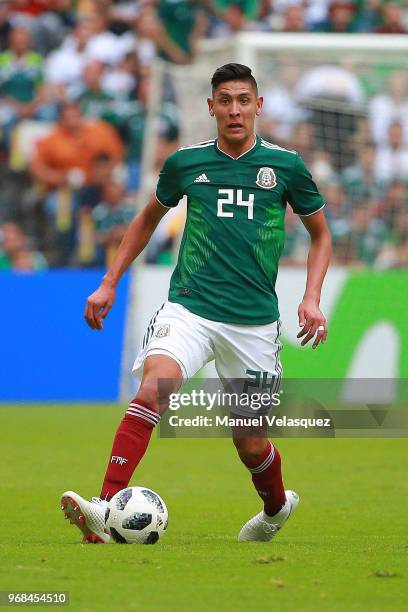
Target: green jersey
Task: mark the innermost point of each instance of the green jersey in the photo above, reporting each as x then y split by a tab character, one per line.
250	8
234	233
179	18
20	77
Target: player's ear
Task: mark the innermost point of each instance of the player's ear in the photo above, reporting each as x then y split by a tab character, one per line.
210	103
259	105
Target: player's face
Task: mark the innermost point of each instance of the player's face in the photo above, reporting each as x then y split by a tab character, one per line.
235	105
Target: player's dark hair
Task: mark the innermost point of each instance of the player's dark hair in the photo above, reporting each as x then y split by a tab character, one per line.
233	72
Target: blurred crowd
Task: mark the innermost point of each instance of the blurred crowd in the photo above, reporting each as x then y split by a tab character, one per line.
74	86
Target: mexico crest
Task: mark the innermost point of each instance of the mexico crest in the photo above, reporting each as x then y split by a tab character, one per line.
266	178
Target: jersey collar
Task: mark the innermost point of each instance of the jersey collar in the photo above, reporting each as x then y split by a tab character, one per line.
256	142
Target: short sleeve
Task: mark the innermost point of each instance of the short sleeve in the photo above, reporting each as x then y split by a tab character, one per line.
169	191
302	193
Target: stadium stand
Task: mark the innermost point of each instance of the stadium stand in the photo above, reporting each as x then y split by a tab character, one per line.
74	85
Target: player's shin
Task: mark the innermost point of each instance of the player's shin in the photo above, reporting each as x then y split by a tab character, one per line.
267	478
130	444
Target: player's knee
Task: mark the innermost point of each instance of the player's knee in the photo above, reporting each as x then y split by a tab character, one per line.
250	449
155	395
148	392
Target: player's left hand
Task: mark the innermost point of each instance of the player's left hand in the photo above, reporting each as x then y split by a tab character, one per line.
313	323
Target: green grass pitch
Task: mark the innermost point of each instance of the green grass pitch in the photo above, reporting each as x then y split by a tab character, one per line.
346	548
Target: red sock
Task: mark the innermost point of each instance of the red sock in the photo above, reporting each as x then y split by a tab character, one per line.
267	479
130	444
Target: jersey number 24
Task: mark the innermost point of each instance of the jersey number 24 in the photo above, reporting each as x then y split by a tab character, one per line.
231	199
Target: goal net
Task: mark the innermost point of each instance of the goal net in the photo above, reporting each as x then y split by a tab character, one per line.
341	101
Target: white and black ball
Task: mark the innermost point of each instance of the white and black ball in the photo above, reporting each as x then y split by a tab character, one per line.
136	515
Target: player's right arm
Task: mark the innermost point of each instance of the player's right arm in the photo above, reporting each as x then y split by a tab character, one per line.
134	241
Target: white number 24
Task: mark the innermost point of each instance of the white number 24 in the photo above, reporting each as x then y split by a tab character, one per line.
229	199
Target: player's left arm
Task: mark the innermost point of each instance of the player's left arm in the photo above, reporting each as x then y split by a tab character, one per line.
311	318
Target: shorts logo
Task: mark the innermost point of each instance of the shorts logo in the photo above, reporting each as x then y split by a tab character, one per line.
266	178
163	331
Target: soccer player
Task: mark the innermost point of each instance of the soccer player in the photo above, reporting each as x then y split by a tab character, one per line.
222	303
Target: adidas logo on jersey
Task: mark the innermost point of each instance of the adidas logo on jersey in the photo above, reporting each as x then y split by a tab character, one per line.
202	179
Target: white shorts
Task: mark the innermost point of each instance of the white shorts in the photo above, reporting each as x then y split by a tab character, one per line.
192	341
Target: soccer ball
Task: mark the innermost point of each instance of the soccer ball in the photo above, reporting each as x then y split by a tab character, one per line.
136	515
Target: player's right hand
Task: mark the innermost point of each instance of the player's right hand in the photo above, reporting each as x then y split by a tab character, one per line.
98	305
